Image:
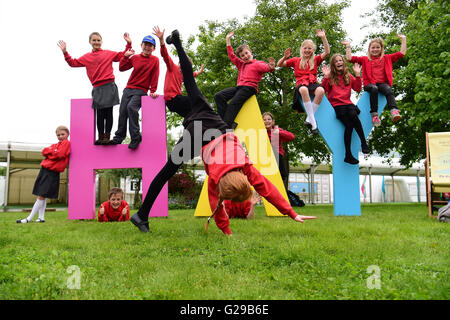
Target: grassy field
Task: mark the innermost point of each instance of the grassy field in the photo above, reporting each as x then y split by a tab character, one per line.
391	252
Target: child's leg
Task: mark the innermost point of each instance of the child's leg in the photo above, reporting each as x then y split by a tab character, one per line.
169	169
236	103
37	205
356	123
222	97
318	96
121	132
100	123
373	91
42	210
108	120
385	89
304	92
186	68
133	108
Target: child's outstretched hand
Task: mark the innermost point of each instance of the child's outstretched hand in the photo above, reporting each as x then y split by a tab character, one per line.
255	198
127	38
326	71
157	32
345	43
102	210
287	53
320	33
230	34
125	210
302	219
202	68
401	36
272	63
129	53
62	45
357	69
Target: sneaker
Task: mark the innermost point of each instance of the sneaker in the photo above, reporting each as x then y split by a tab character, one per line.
395	115
376	121
39	220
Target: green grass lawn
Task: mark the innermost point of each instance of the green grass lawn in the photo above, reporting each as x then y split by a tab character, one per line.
266	258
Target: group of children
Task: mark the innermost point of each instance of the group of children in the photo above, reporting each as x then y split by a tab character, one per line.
229	180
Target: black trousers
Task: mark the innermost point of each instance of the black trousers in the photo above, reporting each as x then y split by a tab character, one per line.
384	89
200	116
229	110
348	115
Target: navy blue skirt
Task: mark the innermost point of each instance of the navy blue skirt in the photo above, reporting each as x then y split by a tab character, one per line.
47	184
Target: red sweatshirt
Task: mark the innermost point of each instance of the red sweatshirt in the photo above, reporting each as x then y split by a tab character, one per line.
304	76
145	72
98	64
174	77
237	209
283	136
250	73
224	154
112	214
367	68
56	156
339	95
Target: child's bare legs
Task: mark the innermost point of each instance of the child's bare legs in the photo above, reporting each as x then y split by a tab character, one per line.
318	93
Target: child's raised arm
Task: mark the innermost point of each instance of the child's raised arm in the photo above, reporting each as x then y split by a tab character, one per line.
348	50
282	61
160	34
62	45
228	38
326	46
403	46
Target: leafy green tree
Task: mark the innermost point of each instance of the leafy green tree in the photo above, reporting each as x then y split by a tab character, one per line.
276	26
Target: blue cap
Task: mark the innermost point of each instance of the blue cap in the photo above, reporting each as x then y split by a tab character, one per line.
149	39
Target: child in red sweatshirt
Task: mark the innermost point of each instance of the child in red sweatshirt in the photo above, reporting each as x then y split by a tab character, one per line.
175	101
217	164
47	181
105	95
143	78
115	209
338	84
250	74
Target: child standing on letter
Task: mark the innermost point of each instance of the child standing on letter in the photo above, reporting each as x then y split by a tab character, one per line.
105	95
305	71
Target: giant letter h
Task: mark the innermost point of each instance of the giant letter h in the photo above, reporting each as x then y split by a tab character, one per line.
86	157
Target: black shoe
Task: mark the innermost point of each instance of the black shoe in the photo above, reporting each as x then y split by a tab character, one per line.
141	224
20	221
315	131
174	36
350	159
234	125
365	149
134	143
115	141
39	220
307	124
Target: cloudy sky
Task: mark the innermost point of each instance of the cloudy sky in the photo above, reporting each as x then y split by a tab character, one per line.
36	84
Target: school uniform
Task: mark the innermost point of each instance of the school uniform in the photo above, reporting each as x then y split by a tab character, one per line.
303	77
143	78
339	97
224	154
277	146
237	209
249	76
105	95
378	77
55	162
112	214
173	81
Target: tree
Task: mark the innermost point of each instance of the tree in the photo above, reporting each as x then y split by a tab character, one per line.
276	26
